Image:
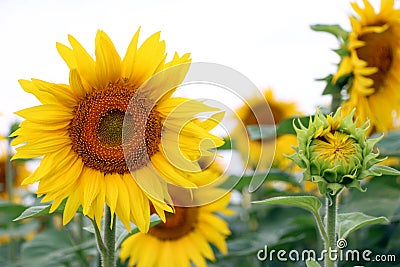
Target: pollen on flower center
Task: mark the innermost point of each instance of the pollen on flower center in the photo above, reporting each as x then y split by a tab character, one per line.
177	225
377	53
96	129
110	128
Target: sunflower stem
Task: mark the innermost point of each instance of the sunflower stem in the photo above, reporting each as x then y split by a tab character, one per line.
330	242
109	239
99	240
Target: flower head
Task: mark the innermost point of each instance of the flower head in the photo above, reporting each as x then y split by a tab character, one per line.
334	152
112	135
186	235
374	63
260	151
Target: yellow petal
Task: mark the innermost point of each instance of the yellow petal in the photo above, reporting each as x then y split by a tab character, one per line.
130	56
72	205
98	203
111	193
31	88
46	114
169	173
147	58
41	147
108	62
77	85
85	62
61	92
140	208
91	187
123	204
67	54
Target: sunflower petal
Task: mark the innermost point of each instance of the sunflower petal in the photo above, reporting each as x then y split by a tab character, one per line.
85	63
108	62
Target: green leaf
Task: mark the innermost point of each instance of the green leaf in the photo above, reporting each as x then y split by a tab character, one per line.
389	145
312	263
239	183
334	29
342	82
34	211
382	198
54	248
286	126
258	132
350	222
310	203
8	211
227	145
385	170
20	230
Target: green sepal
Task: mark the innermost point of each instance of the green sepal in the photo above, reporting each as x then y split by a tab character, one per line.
334	29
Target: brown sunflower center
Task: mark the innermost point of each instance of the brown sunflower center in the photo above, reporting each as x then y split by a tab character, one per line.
378	53
177	225
264	118
96	129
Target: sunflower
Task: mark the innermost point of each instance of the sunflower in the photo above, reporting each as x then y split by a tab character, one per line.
280	111
374	62
112	136
20	172
186	235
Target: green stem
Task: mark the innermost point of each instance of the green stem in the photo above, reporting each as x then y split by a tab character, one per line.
106	245
109	239
330	243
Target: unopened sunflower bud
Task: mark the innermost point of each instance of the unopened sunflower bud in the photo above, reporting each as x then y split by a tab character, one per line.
336	153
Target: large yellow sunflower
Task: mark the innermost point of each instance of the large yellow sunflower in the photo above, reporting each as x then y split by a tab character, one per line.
187	234
108	135
374	61
280	110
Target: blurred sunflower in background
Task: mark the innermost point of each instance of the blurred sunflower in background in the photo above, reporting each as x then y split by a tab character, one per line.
186	235
19	173
78	129
373	60
280	110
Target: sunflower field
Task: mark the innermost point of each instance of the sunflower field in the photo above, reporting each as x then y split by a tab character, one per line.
119	163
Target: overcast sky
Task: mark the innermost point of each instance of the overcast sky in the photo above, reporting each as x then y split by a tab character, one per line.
268	41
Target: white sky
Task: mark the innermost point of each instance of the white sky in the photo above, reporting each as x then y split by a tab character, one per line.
268	41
